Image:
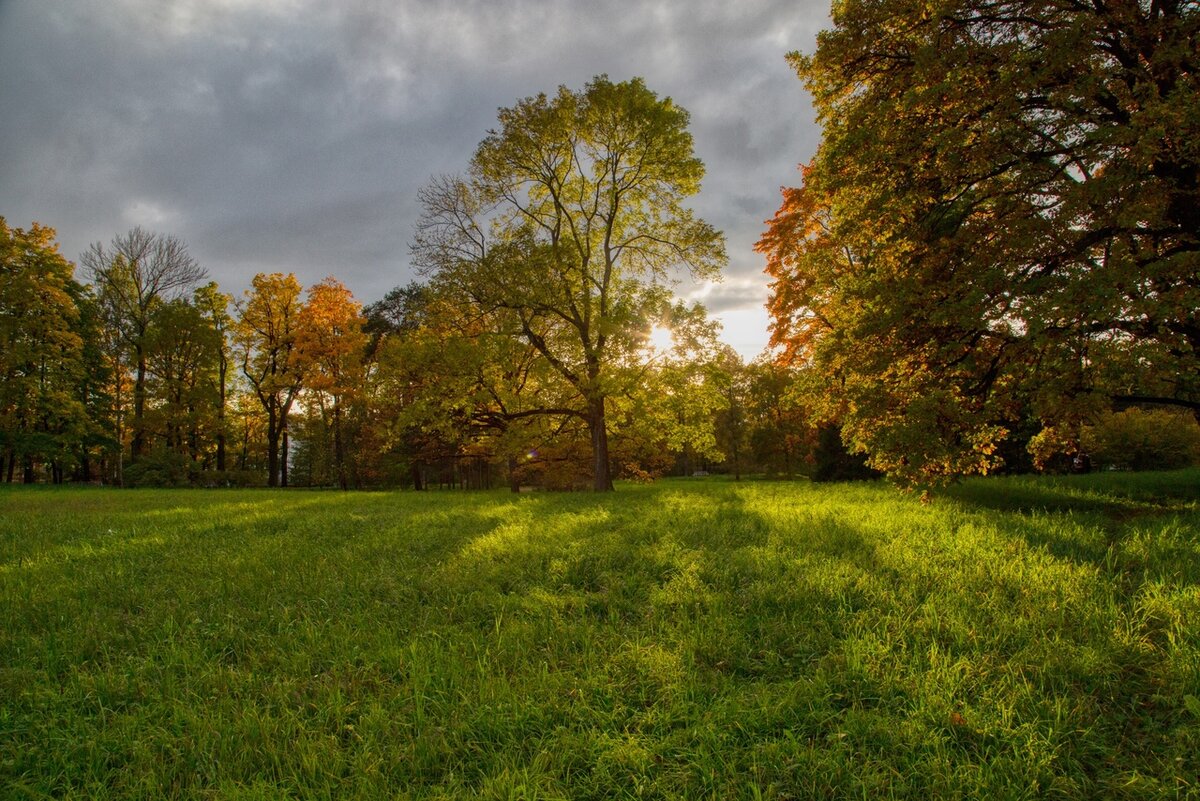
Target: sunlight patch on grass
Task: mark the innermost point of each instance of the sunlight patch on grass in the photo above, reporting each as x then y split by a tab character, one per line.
1014	638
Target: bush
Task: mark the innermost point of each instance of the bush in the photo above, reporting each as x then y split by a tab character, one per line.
1136	439
161	469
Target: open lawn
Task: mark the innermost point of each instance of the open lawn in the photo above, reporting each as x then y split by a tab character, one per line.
1014	638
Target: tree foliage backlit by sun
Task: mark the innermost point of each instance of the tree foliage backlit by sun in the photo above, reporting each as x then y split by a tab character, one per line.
1001	224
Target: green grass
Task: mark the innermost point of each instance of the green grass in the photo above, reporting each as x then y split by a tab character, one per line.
1014	638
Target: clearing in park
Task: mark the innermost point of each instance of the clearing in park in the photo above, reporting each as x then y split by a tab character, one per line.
1014	638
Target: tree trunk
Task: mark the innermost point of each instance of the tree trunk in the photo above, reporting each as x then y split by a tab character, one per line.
193	436
272	448
601	473
339	454
12	464
415	474
283	455
137	445
119	411
221	413
28	477
514	478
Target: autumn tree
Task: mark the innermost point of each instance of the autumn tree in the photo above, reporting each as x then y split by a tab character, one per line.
42	418
780	431
566	230
331	342
458	384
266	337
92	389
132	275
1001	220
395	353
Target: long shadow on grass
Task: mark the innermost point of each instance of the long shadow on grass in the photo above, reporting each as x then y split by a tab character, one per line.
686	641
1140	525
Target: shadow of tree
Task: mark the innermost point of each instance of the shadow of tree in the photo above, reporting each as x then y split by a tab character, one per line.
683	639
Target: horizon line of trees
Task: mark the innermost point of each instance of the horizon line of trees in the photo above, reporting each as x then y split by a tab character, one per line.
148	374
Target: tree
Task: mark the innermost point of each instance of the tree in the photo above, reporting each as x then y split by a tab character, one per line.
1002	219
675	394
135	273
781	431
731	378
566	230
42	418
214	307
183	354
265	335
400	311
330	340
457	383
92	387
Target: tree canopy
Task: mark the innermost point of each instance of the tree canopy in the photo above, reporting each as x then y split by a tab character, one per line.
266	335
565	231
42	413
133	275
1000	224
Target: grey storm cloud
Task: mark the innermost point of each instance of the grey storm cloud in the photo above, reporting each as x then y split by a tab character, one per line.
293	135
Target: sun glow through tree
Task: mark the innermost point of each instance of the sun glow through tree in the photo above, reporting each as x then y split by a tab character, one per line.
660	340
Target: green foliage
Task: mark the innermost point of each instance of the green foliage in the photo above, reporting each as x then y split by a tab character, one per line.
1136	439
162	468
781	430
564	234
1000	223
1013	638
183	355
44	366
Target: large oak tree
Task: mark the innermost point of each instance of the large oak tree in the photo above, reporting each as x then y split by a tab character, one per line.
566	229
1001	222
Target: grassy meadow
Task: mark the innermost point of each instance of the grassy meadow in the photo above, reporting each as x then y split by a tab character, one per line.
1013	638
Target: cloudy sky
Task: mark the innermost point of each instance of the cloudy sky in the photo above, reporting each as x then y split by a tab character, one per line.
293	135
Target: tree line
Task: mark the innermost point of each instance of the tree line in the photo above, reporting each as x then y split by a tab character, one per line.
140	371
525	354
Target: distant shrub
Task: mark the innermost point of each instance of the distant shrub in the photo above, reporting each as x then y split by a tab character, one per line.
167	469
161	469
1137	439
